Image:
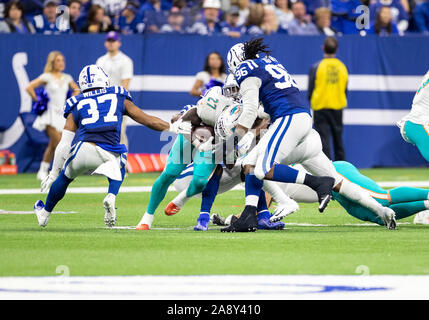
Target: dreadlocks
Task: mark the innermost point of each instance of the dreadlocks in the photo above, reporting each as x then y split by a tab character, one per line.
253	47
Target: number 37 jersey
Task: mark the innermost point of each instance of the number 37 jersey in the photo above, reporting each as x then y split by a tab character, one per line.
98	115
278	93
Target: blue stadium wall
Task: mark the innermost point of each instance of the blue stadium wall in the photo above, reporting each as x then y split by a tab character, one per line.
384	75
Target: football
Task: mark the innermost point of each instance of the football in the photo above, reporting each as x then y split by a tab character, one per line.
202	133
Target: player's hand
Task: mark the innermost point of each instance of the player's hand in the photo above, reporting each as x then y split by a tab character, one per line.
181	127
245	143
204	146
46	183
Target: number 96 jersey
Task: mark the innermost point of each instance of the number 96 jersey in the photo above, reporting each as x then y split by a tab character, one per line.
98	115
278	93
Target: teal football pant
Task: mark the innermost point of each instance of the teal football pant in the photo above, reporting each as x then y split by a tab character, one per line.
418	135
181	154
405	201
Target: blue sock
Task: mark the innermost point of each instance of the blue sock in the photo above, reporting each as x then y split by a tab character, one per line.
253	187
262	203
57	191
209	193
204	217
114	185
284	173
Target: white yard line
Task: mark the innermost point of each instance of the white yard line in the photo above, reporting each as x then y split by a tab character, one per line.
383	184
217	287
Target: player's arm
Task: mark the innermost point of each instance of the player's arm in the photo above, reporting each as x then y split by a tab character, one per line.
249	89
153	122
192	116
62	152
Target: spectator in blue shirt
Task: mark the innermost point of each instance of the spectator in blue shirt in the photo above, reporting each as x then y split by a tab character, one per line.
209	24
313	5
399	15
129	21
344	15
301	24
14	20
230	26
155	15
421	17
384	25
46	23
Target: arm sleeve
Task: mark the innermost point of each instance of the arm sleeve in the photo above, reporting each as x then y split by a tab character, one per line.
62	151
249	89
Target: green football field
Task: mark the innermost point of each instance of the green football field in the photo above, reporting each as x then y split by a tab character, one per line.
312	243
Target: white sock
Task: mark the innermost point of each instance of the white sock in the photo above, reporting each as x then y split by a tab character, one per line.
277	193
252	200
44	166
355	193
147	219
181	199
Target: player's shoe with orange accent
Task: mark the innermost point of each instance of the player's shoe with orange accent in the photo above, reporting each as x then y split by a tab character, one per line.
146	222
171	209
143	226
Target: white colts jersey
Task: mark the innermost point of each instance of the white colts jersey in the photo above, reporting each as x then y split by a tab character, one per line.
211	105
420	110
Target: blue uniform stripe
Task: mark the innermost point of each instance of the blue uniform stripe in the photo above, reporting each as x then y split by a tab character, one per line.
74	155
273	137
88	75
280	140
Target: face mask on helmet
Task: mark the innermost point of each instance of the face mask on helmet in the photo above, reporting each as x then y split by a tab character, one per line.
227	121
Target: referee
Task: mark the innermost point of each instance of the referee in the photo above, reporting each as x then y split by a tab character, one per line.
327	92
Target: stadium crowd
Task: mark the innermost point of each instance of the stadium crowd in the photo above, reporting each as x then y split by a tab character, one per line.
209	17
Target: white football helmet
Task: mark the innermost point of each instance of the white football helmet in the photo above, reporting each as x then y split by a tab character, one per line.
231	88
235	56
93	76
225	124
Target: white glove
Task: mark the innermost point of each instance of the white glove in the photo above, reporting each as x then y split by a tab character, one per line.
245	143
46	183
204	146
181	127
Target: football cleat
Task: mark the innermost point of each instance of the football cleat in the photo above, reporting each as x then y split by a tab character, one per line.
217	220
109	210
248	221
422	217
202	225
171	209
41	214
146	222
388	217
143	226
323	189
283	211
266	224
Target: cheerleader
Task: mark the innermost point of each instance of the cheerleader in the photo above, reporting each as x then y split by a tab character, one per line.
57	84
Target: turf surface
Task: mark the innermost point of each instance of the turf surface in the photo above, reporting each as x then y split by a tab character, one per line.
81	242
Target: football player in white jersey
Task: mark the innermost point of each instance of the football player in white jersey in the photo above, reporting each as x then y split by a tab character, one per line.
415	125
185	151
